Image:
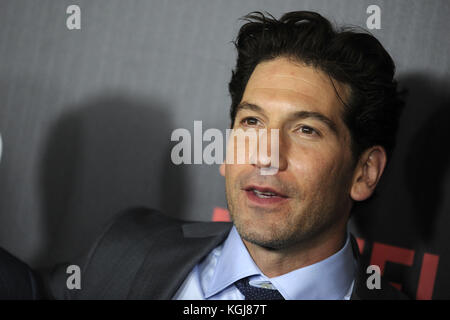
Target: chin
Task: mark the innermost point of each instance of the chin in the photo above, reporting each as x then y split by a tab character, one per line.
263	234
269	242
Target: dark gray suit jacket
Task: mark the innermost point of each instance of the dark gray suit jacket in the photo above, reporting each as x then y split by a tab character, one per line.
17	280
146	255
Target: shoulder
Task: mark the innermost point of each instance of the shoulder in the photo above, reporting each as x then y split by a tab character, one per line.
118	255
135	222
137	228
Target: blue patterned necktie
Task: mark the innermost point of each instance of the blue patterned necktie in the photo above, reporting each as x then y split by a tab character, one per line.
253	293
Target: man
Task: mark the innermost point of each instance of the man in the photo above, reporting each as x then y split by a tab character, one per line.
331	98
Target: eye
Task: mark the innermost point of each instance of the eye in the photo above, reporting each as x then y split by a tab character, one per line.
307	130
250	122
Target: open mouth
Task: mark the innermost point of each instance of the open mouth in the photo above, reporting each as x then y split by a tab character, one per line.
264	191
264	195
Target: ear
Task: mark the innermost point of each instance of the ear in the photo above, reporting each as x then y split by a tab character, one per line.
368	172
222	169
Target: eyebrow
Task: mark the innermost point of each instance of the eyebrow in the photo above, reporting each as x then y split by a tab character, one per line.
296	115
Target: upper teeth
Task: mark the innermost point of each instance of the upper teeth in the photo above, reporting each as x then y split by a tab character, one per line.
263	194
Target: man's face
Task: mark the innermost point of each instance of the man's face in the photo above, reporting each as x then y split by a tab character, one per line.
315	169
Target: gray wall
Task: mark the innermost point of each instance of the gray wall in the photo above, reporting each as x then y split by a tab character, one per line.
86	117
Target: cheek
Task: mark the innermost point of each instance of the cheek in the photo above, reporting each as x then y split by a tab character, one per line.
232	173
314	171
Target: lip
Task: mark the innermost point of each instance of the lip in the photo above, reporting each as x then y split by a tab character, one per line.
254	199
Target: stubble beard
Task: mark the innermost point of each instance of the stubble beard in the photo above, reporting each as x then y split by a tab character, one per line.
296	230
274	236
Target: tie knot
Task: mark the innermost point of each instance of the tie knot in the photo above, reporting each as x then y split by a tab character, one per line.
254	293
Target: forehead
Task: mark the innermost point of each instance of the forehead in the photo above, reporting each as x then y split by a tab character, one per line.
282	84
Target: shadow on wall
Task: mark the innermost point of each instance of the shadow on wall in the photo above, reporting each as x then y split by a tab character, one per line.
411	191
104	156
428	157
407	210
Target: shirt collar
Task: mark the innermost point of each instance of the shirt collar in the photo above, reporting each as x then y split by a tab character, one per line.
234	263
330	278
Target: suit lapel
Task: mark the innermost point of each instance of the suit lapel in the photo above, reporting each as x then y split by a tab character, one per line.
178	250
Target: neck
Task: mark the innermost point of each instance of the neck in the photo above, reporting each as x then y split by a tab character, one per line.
276	262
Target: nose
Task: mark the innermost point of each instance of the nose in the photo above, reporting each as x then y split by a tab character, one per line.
270	156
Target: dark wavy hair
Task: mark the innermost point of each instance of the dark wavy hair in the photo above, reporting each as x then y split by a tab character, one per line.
355	58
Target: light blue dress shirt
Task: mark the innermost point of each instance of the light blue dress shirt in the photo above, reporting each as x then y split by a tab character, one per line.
213	278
